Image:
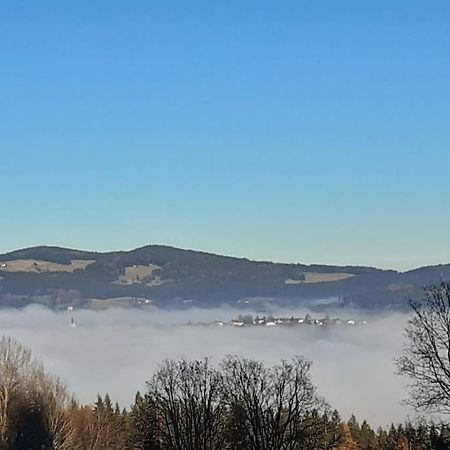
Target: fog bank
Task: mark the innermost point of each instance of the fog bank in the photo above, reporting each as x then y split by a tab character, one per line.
116	351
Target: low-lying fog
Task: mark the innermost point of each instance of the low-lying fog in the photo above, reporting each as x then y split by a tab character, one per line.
116	350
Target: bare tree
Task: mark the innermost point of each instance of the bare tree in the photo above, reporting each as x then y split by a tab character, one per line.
187	399
27	393
268	405
16	366
53	398
426	355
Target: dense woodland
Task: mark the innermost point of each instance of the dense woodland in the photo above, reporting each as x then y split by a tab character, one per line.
190	405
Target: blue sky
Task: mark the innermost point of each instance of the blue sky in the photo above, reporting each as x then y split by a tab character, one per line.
307	131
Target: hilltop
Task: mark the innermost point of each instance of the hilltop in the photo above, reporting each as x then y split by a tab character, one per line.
172	277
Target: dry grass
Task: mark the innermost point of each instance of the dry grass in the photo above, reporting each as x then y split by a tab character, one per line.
316	277
397	287
102	304
39	266
117	302
136	273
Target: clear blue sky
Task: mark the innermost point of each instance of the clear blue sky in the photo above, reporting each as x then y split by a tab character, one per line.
309	131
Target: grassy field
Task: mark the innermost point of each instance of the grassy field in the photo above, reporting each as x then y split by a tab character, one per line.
38	266
316	277
137	273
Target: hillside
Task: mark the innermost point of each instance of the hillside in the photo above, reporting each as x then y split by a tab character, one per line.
172	277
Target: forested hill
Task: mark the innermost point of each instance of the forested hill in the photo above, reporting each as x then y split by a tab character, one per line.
174	277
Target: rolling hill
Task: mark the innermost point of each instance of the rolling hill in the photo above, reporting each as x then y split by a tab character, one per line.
173	277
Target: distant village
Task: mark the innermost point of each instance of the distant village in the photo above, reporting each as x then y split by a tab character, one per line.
271	321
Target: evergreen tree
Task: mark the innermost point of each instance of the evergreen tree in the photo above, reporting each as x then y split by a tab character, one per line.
143	424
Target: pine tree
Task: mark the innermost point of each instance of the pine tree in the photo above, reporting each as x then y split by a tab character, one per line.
143	424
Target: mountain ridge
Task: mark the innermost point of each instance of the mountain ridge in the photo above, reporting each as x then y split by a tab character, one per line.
170	276
4	256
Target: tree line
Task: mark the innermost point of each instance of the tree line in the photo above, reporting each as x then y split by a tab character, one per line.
189	405
239	404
